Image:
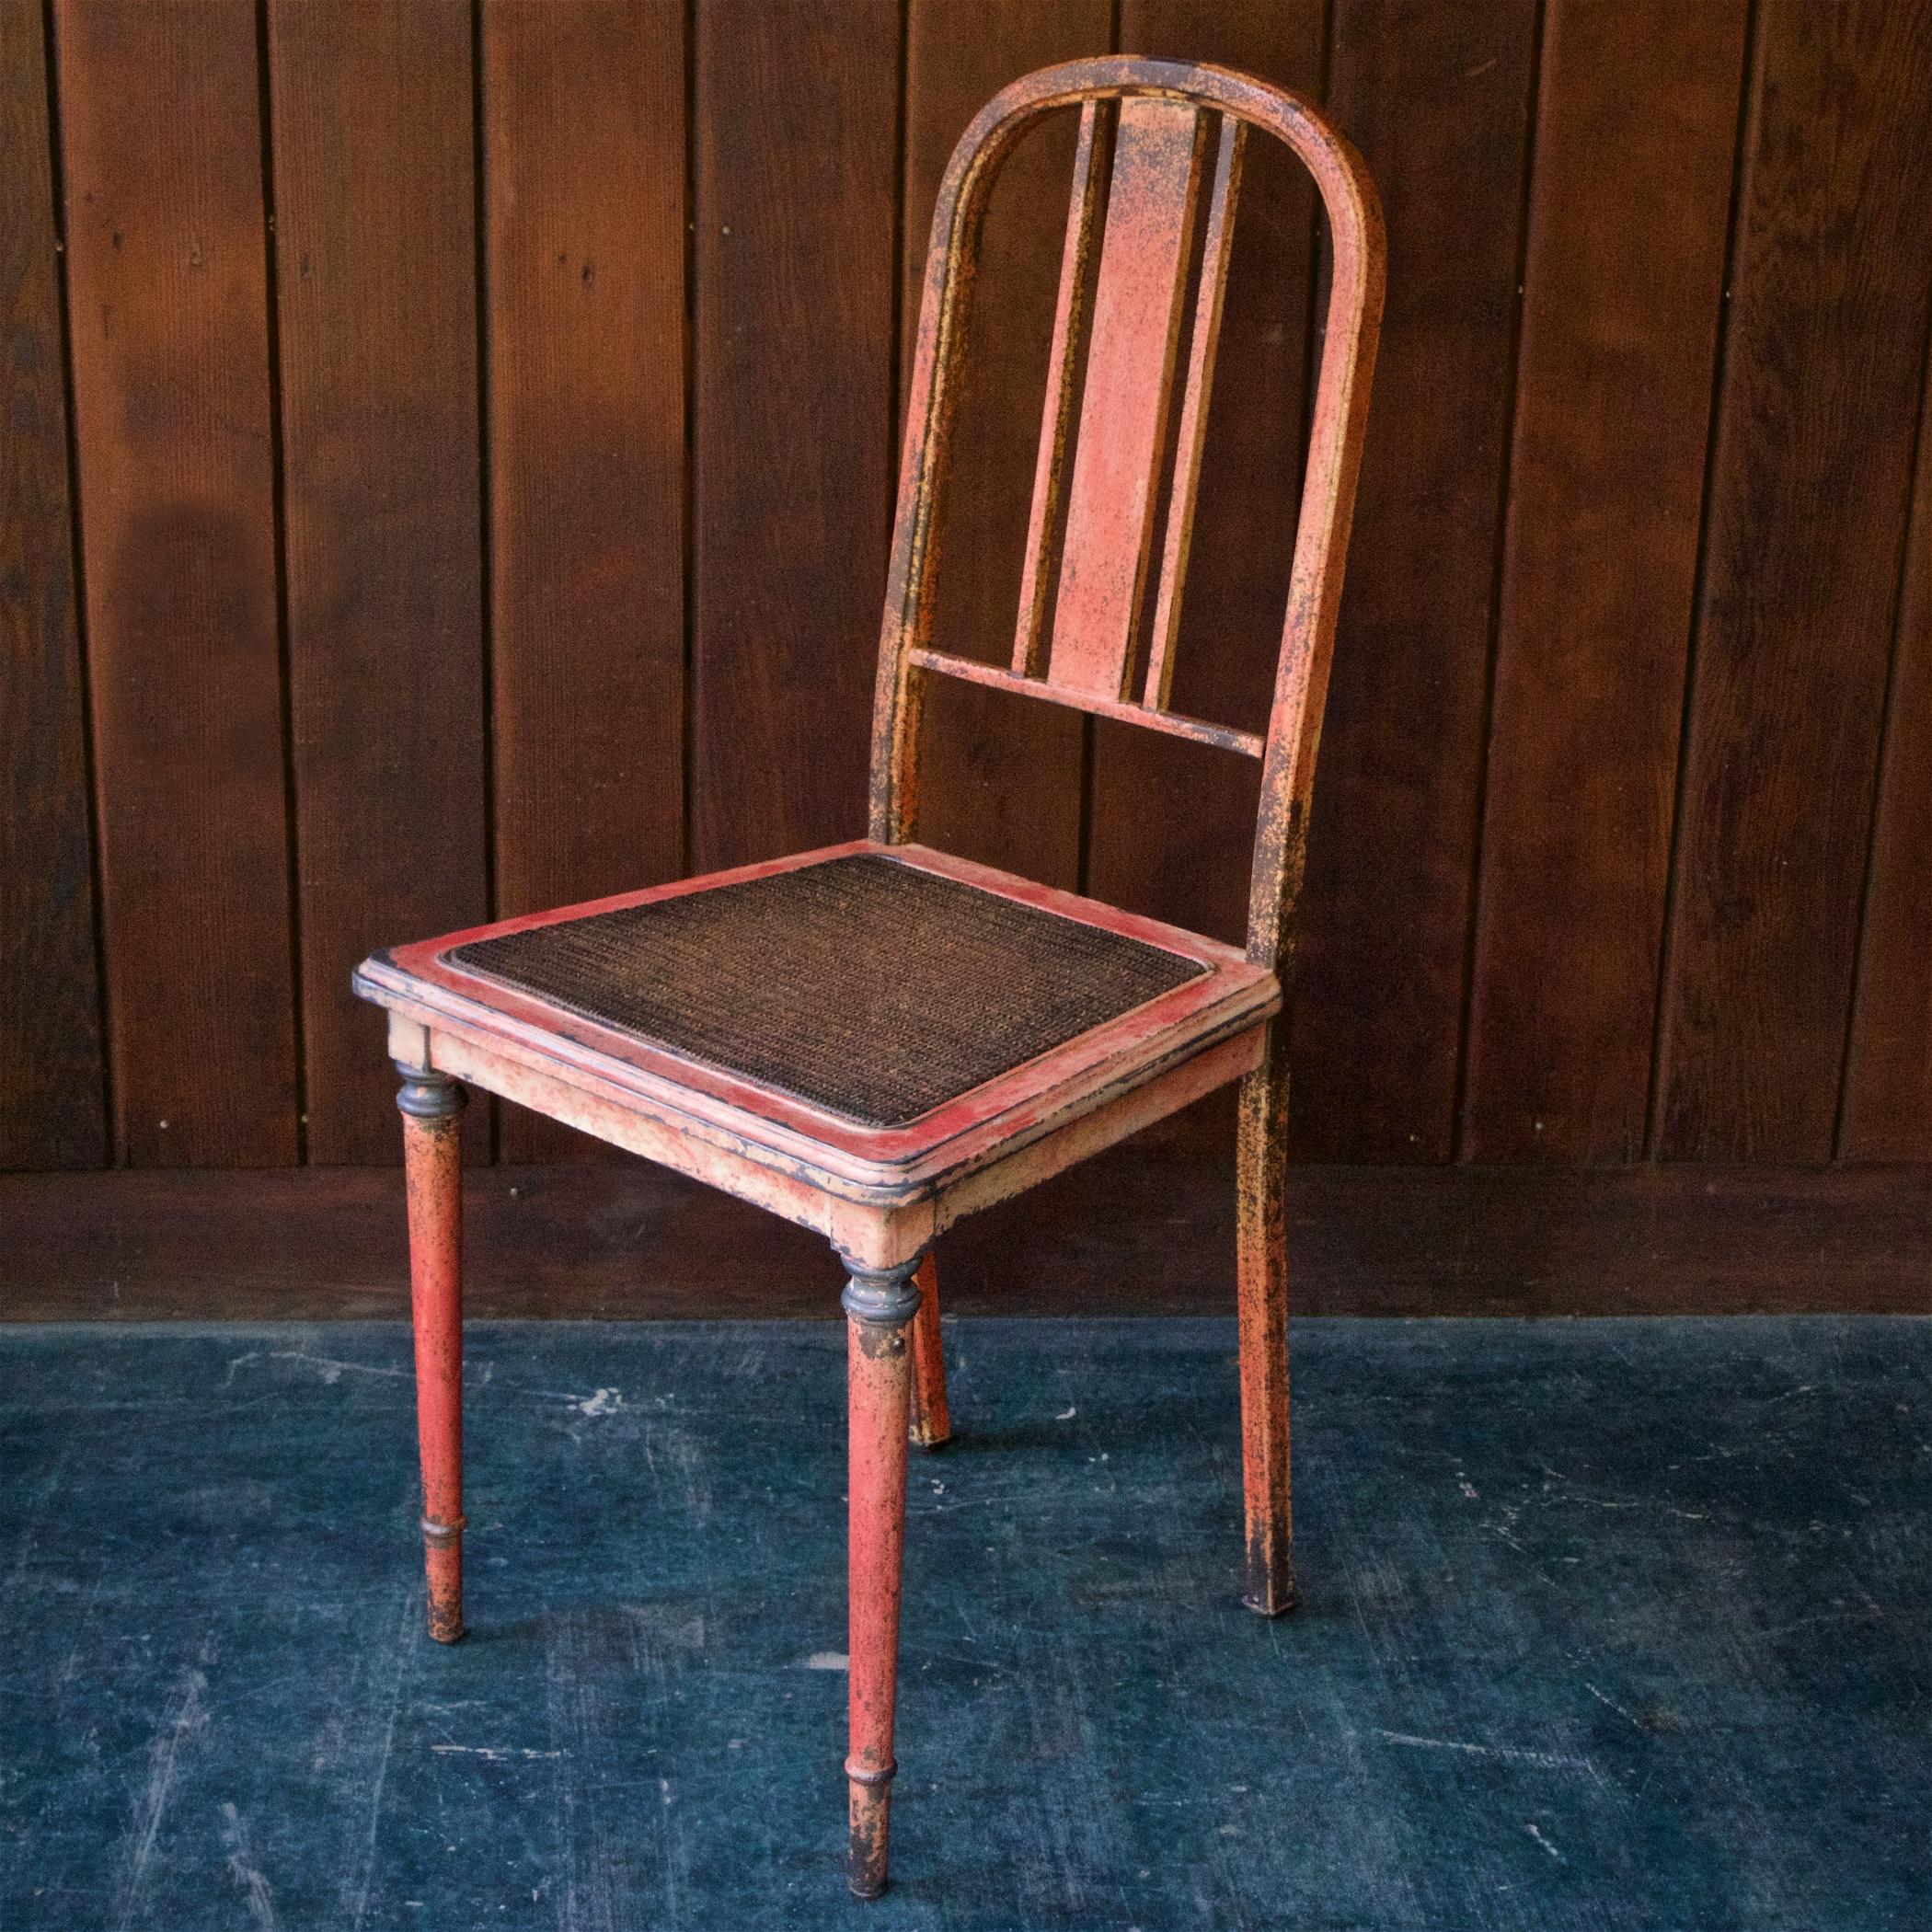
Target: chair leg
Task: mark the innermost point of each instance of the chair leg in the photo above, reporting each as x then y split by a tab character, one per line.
432	1173
879	1308
932	1421
1261	1237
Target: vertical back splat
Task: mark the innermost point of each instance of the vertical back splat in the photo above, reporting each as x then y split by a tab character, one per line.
1136	324
1206	332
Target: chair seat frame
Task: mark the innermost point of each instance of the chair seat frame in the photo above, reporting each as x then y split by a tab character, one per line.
882	1195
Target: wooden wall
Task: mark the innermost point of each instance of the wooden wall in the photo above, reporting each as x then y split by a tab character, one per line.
447	456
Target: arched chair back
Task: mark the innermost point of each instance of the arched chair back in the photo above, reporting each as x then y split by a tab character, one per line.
1158	152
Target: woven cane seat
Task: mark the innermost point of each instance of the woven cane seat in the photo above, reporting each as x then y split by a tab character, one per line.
865	985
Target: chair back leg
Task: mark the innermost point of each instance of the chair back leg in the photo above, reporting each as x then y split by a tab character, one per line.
879	1308
1260	1225
932	1421
432	1172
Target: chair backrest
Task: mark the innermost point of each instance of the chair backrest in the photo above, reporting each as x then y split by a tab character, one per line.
1090	538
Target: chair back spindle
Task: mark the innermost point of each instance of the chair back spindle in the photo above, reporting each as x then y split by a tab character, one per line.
1150	132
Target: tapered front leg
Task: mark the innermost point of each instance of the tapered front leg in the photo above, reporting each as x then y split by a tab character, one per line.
932	1421
432	1171
879	1307
1261	1240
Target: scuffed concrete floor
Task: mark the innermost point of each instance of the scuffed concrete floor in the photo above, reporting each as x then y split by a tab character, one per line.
1604	1624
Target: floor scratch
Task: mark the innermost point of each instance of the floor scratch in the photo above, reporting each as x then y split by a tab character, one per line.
1612	1702
187	1712
405	1635
332	1368
1514	1753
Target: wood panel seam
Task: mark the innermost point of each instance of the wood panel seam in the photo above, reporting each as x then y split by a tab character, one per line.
486	503
1532	113
76	541
1720	358
1916	481
278	497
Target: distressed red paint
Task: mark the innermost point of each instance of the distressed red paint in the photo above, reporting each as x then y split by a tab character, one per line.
882	1196
879	1308
432	1175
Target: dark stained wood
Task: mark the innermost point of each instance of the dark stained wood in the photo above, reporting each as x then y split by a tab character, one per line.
52	1108
1792	753
1392	848
797	129
1888	1075
1002	780
1138	1230
584	139
376	221
1638	109
167	274
1806	514
1191	865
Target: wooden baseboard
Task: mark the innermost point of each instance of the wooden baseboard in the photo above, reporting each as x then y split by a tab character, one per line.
1145	1228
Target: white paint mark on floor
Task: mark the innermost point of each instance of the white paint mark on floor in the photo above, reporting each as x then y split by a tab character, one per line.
1546	1845
827	1660
599	1402
261	1899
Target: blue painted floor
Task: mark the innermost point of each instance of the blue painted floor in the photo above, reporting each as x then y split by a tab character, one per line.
1604	1624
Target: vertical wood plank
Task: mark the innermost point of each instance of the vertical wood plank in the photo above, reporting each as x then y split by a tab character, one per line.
50	1099
1808	505
1887	1112
376	251
170	342
1638	109
798	130
1191	865
1443	119
584	138
1123	405
1001	778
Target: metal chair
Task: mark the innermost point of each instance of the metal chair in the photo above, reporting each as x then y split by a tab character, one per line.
877	1039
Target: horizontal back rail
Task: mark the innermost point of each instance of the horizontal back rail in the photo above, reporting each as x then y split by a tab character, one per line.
1176	725
1091	563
